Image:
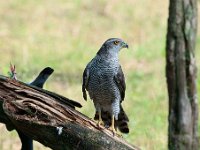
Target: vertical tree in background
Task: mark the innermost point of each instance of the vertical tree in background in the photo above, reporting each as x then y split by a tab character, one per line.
181	75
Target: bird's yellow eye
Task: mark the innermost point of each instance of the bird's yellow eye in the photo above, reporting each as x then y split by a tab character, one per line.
116	42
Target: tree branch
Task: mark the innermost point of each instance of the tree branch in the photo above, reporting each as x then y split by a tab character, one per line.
51	119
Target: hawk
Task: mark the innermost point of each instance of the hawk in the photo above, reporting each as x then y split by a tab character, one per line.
104	80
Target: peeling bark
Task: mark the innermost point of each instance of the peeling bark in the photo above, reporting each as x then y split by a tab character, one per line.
39	113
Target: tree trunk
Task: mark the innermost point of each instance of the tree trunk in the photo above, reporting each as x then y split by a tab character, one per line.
52	120
181	75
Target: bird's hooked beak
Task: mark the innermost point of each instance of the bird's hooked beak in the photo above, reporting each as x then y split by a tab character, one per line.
124	45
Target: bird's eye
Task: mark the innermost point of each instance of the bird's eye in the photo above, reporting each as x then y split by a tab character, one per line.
116	42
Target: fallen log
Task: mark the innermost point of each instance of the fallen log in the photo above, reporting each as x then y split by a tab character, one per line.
52	120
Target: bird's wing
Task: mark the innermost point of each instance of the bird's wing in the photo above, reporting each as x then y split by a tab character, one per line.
41	79
85	82
120	82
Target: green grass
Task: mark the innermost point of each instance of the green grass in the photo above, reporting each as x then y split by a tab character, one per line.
67	34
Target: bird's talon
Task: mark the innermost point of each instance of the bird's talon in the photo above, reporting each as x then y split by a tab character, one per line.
120	135
100	123
113	131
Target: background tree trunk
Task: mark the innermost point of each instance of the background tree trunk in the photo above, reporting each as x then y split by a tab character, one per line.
181	75
52	120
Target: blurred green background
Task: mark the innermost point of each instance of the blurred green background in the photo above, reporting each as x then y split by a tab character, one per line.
66	35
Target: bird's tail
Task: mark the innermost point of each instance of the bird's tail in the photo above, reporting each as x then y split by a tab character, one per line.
121	123
42	77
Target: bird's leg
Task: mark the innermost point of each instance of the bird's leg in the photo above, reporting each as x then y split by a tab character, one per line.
112	127
100	121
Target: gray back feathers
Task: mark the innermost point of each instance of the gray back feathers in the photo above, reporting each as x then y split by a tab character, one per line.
104	80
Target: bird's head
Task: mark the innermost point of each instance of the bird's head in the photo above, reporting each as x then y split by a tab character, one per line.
112	46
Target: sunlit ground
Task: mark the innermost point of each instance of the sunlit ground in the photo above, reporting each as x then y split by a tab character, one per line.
65	35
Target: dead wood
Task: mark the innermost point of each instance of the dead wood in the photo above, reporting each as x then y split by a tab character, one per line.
52	120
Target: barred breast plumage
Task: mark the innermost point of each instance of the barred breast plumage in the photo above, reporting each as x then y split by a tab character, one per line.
101	86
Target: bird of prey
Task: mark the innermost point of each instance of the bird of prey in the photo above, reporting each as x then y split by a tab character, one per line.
104	80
